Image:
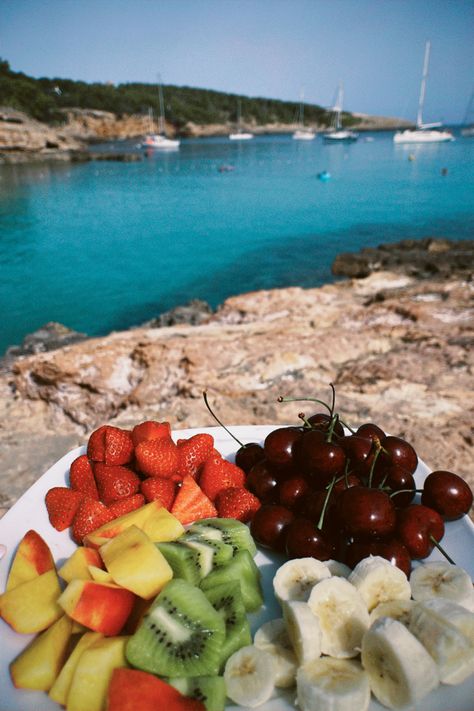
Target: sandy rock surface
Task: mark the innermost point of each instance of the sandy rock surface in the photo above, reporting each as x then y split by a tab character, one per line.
398	350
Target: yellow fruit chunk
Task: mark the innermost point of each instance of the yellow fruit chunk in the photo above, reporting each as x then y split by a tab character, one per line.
135	563
32	606
101	607
60	689
153	519
32	558
90	681
100	575
77	565
39	664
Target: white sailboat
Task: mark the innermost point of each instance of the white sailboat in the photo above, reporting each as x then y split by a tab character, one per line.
336	133
159	140
302	133
424	132
240	134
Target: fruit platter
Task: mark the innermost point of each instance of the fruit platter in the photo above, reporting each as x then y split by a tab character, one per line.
300	582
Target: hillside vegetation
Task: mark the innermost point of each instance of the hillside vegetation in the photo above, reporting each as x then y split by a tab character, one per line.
44	98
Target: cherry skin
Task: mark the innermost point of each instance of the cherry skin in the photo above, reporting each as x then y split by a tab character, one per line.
397	479
417	526
322	421
312	508
268	526
305	540
262	481
292	492
448	494
370	431
392	550
359	452
365	512
279	444
346	482
397	452
248	455
320	459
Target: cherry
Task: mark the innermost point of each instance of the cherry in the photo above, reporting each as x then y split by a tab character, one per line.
292	491
366	512
279	445
262	481
397	451
312	509
397	479
448	494
320	459
248	455
391	549
304	539
359	452
322	421
268	526
419	527
346	482
370	431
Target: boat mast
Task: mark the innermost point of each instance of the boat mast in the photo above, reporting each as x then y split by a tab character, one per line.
337	108
302	108
162	107
419	118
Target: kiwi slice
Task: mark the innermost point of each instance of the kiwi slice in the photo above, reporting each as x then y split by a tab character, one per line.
242	568
184	561
209	552
228	530
227	600
181	635
210	690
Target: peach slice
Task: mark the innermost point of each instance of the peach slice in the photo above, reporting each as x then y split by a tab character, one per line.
60	689
77	565
32	558
32	606
100	575
101	607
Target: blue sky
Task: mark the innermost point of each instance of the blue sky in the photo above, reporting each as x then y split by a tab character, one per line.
267	48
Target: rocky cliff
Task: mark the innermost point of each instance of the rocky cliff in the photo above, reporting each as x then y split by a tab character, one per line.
398	349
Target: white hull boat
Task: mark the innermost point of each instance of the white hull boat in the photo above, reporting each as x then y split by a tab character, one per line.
160	140
302	133
336	133
240	134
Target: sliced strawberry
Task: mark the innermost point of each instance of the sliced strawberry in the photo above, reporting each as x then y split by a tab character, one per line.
218	474
62	504
150	429
193	451
81	477
90	515
115	483
118	508
130	689
191	503
157	487
157	457
111	445
237	502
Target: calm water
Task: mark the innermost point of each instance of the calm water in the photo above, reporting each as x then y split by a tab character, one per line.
103	246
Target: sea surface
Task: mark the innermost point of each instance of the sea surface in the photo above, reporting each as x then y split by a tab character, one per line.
104	246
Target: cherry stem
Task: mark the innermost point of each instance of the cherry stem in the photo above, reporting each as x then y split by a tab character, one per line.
333	403
404	491
378	449
441	550
304	399
319	525
306	423
333	423
204	394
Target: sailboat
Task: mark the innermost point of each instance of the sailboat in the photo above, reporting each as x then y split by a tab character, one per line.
302	133
240	134
160	139
424	132
336	133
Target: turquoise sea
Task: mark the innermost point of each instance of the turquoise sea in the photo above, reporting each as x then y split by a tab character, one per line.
103	246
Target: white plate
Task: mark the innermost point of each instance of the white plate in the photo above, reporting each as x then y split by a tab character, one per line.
30	512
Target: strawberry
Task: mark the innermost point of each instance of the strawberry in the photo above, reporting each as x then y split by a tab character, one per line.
218	474
150	429
114	483
157	487
237	502
111	445
81	477
90	515
191	503
193	451
123	506
62	504
157	457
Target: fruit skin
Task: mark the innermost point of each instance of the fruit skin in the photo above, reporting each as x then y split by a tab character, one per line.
415	527
77	565
193	452
268	526
191	503
110	445
32	558
89	516
448	494
150	429
127	686
218	474
157	487
62	504
279	445
115	482
32	606
237	502
366	512
123	506
100	607
81	477
158	457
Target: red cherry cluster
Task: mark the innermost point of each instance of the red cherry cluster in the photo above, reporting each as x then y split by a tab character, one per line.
333	492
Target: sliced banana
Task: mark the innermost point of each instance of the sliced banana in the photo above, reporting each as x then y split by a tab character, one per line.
295	579
400	669
249	675
328	684
337	568
396	609
454	613
342	614
273	638
450	648
442	579
303	630
378	581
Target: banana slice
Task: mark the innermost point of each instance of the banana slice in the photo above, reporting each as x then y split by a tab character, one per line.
295	579
328	684
449	647
249	675
442	579
454	613
378	581
400	669
396	609
303	630
337	568
273	638
342	615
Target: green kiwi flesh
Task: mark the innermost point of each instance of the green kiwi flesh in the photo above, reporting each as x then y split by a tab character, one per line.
242	568
210	552
228	530
184	561
227	600
210	690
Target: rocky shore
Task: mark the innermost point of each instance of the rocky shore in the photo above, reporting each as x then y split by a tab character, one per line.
398	348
